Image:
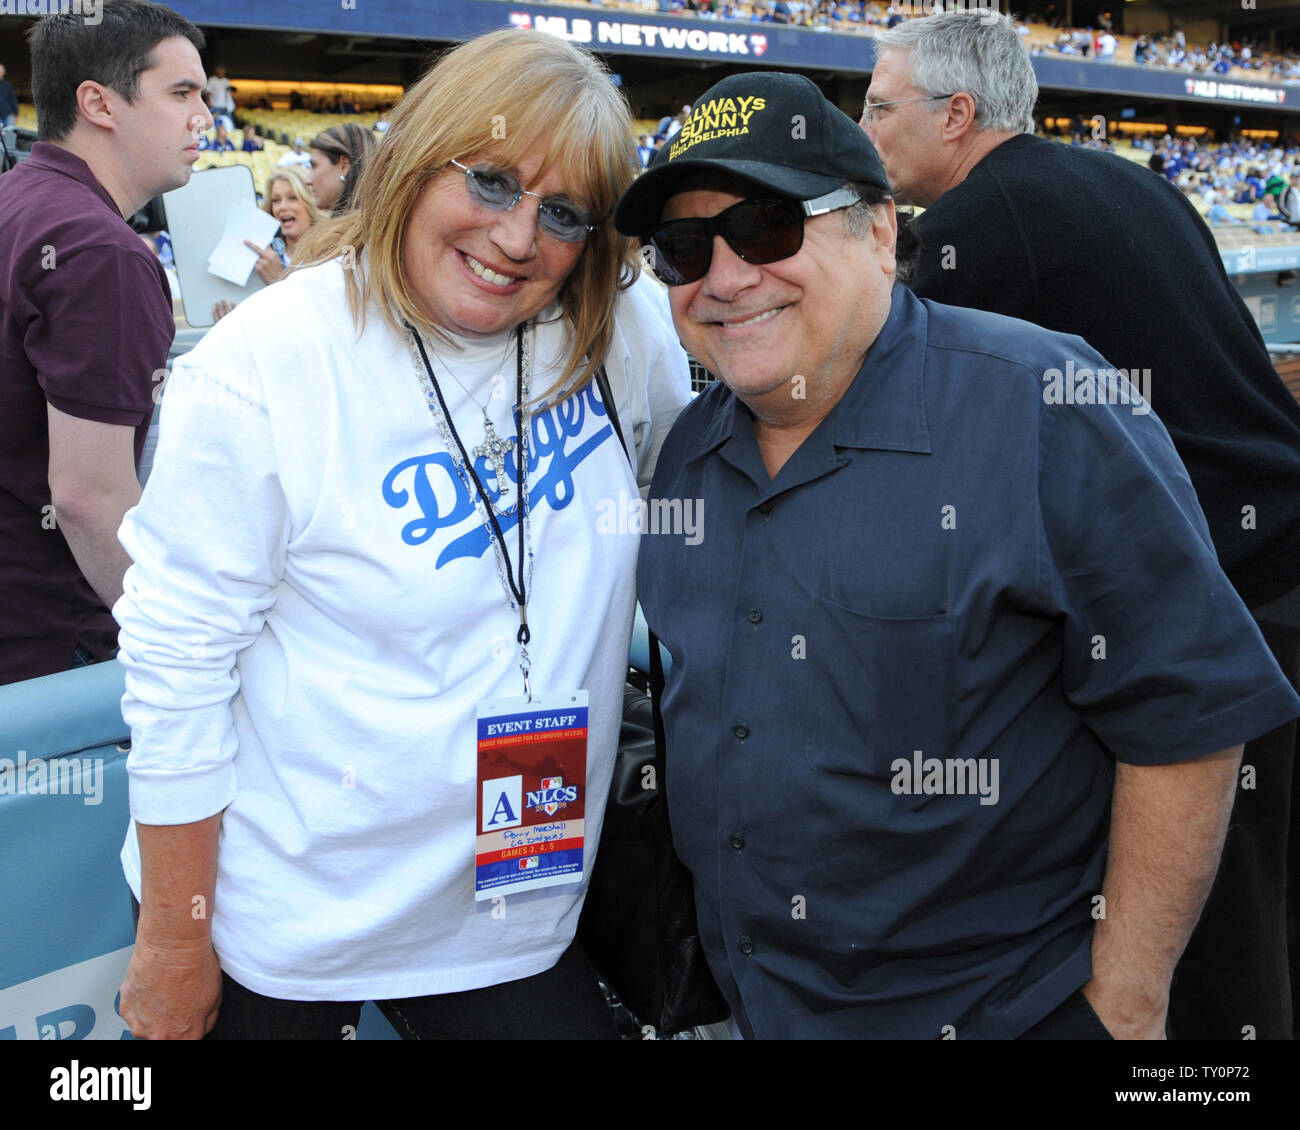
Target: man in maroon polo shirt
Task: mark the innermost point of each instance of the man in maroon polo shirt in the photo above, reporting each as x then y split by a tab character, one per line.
85	318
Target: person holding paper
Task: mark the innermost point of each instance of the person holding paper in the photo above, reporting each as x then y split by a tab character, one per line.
376	585
248	229
290	201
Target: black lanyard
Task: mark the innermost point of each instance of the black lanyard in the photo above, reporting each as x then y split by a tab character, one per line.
517	587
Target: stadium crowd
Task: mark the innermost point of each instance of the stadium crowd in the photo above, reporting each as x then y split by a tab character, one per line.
1101	43
1235	172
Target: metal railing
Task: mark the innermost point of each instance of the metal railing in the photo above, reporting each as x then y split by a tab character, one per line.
701	378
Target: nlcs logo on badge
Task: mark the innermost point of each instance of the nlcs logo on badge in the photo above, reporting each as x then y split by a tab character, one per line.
553	795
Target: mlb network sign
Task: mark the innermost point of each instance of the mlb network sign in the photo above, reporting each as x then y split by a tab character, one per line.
1234	91
640	33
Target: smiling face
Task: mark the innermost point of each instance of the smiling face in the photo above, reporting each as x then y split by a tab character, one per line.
814	314
288	210
157	137
477	272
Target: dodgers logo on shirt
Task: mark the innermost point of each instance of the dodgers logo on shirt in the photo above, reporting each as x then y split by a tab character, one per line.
552	796
553	456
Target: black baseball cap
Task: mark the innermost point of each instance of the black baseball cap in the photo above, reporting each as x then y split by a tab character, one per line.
774	129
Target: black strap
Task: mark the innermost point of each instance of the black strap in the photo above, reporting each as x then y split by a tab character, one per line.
611	410
656	695
518	588
656	660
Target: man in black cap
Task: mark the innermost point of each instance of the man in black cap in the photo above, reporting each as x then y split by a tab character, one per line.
958	687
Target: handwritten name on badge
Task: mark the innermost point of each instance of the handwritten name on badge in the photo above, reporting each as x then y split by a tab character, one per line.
532	766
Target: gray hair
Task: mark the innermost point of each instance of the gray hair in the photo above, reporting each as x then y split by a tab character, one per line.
859	217
977	51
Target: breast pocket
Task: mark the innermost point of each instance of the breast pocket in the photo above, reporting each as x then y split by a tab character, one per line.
881	689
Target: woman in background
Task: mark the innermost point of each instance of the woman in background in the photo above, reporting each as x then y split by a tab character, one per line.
338	156
289	199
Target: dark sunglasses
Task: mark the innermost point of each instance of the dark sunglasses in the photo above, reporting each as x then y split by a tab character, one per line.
496	189
763	229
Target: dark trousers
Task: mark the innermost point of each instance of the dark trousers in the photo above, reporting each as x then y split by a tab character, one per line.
1072	1019
1241	971
83	657
563	1003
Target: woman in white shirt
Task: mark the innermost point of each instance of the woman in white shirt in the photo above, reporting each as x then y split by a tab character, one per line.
332	583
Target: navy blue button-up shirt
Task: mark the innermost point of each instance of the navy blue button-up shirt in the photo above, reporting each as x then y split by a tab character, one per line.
902	668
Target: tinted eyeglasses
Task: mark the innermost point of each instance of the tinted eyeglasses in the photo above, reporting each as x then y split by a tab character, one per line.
763	229
496	189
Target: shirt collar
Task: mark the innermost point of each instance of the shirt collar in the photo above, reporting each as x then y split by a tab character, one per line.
46	155
884	406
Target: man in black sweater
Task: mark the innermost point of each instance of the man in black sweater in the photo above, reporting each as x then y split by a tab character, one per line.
1091	244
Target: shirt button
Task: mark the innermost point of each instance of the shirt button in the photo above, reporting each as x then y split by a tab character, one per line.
754	616
740	730
737	841
765	508
746	946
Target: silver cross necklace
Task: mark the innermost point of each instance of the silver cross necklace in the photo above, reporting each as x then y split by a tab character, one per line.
493	448
516	580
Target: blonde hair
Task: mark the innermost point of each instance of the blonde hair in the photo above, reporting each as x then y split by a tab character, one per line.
300	189
504	92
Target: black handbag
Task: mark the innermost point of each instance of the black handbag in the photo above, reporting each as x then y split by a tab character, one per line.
638	923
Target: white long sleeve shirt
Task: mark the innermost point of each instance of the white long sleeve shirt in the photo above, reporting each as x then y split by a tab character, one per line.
314	613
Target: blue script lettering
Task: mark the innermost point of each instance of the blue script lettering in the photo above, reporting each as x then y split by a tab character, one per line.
550	432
